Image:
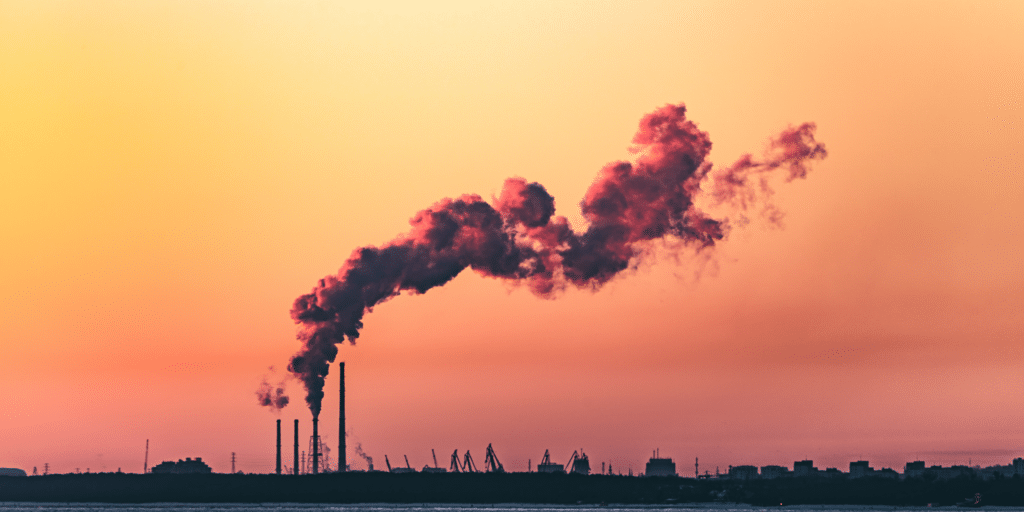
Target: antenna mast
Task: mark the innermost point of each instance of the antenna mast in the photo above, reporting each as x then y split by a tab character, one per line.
145	462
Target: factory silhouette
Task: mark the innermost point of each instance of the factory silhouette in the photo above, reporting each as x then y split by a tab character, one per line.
312	460
315	478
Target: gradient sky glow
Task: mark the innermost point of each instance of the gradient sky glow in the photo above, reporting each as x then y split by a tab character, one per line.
174	174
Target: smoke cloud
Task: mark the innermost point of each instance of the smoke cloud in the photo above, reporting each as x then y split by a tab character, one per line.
270	395
745	184
361	453
519	239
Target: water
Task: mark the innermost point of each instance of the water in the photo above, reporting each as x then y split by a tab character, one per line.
290	507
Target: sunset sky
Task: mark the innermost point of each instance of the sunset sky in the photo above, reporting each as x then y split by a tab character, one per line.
174	174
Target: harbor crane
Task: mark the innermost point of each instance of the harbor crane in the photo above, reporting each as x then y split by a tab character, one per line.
399	469
491	462
546	466
433	469
455	467
465	466
578	463
468	465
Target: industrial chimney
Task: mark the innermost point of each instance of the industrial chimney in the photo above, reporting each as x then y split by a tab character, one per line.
279	447
342	459
295	468
316	446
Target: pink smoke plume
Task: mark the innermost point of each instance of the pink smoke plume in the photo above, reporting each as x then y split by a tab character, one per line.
734	185
518	238
270	395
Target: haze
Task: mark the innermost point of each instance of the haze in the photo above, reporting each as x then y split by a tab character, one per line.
173	175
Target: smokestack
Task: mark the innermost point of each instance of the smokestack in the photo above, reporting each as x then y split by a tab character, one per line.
342	459
316	447
295	468
279	447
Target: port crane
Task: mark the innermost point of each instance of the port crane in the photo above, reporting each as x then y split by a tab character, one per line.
435	469
455	467
399	469
491	462
468	465
578	463
465	466
546	466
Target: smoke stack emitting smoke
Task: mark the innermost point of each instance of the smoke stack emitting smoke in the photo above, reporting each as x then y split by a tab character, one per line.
519	239
367	458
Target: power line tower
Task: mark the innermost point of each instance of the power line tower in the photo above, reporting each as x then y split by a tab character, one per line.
232	462
145	461
314	448
46	468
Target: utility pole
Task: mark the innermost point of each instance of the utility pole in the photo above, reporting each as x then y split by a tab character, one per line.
696	467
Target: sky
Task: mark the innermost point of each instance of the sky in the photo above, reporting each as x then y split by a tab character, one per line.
174	174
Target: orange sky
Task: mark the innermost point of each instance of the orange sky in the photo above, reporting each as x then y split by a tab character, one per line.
173	175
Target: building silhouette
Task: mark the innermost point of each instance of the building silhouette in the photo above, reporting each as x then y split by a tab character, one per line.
186	466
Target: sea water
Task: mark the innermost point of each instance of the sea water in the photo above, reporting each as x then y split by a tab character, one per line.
507	507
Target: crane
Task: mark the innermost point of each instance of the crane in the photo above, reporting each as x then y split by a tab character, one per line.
455	466
578	463
568	465
546	459
427	468
468	465
546	466
491	462
399	469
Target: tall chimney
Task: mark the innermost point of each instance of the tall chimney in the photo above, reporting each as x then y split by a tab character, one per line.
316	447
342	459
279	447
295	468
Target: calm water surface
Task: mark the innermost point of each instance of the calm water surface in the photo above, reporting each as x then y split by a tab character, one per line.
288	507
